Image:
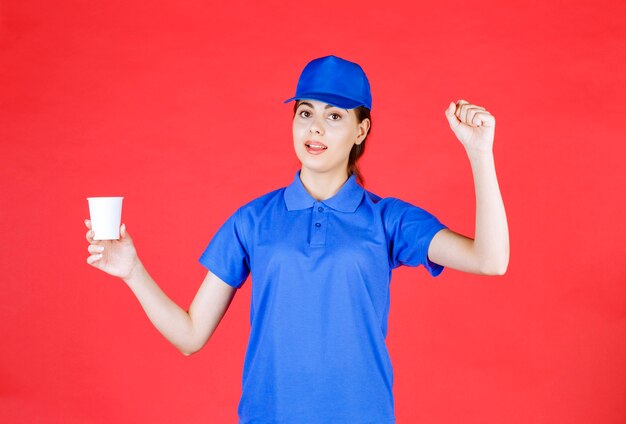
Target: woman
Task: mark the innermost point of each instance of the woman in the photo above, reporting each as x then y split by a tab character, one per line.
321	252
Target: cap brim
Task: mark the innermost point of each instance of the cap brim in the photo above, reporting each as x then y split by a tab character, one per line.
331	99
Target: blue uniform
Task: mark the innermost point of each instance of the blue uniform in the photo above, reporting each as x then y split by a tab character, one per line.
320	299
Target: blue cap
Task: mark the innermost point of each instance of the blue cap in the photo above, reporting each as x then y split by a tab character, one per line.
335	81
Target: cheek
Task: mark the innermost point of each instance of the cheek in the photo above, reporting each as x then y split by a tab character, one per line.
347	138
297	138
298	129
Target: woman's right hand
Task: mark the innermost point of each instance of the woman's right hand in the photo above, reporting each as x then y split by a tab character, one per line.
115	257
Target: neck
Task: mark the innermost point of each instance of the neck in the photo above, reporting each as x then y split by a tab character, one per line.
322	185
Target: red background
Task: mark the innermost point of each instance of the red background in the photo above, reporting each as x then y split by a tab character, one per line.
178	107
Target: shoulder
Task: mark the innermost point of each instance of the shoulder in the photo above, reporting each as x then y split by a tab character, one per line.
243	220
263	205
264	200
395	210
382	204
379	201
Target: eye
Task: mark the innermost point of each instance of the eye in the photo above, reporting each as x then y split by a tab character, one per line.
304	111
335	114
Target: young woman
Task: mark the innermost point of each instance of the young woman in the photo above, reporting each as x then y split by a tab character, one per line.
321	251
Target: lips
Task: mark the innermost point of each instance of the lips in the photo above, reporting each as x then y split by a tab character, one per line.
315	145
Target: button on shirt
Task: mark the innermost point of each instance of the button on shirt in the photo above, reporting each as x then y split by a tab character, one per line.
320	299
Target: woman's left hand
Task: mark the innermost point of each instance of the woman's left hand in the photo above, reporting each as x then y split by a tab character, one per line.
472	125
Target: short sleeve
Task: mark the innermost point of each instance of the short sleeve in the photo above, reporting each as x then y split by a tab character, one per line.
226	255
410	230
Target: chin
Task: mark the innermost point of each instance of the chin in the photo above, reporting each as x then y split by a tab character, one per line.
312	163
315	167
316	164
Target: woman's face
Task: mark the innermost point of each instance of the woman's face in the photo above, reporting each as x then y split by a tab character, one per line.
323	135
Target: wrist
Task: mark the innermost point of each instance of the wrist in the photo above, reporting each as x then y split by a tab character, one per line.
478	153
135	273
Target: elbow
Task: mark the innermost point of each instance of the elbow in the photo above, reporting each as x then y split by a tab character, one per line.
500	270
495	263
194	348
495	268
187	352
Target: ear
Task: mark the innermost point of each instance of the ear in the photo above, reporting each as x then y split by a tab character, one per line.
363	129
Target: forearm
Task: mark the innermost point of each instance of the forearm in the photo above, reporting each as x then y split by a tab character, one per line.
172	321
491	240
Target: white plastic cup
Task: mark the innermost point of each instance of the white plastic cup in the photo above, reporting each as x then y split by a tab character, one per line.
106	215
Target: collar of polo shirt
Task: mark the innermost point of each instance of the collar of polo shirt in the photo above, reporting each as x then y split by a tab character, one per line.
347	199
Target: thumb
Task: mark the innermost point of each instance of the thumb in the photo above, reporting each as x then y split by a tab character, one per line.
452	119
123	233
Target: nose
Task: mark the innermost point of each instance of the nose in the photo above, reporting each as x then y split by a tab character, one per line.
316	127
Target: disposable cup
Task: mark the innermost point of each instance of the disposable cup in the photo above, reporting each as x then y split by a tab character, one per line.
106	215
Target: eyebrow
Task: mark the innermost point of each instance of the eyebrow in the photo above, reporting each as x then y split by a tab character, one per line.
325	107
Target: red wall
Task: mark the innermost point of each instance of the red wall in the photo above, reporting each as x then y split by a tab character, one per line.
166	103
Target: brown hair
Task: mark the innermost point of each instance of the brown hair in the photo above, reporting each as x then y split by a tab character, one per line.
357	151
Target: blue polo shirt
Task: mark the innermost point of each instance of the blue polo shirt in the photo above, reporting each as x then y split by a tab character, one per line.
320	299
